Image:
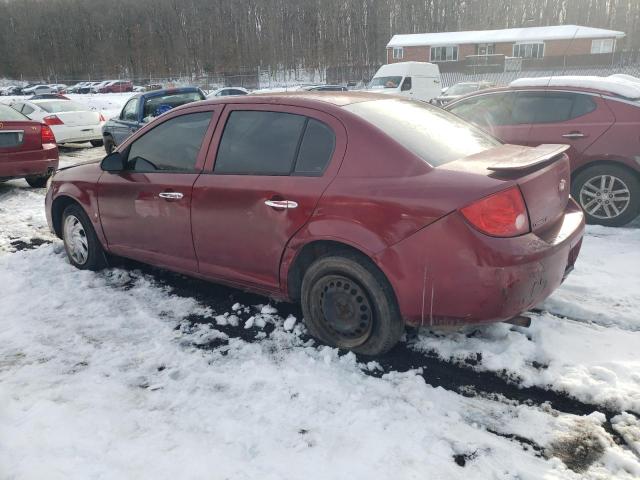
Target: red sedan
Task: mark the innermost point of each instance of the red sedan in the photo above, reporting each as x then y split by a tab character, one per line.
370	211
27	149
599	124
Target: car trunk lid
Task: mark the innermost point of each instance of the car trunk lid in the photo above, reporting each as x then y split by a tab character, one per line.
74	119
542	174
19	136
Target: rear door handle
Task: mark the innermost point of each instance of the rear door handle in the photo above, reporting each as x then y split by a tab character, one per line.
280	203
171	195
574	135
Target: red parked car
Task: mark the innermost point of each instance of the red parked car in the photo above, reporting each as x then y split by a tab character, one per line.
27	149
370	211
600	125
117	86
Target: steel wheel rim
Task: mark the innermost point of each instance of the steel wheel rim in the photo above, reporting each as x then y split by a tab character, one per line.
605	196
346	312
75	240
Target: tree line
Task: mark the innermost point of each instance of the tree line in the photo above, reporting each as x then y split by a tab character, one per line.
76	39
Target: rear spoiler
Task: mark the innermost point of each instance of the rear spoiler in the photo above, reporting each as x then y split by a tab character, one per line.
524	158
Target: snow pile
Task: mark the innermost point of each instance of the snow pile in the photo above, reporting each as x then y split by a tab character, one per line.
103	385
623	85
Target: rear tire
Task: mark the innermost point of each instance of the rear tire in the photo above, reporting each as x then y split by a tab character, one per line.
97	143
38	182
348	303
109	144
80	241
608	194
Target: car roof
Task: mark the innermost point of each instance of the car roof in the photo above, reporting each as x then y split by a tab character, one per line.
538	87
308	99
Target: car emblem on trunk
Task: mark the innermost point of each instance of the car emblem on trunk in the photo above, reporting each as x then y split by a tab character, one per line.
562	185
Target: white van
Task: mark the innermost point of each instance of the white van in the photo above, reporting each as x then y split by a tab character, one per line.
416	80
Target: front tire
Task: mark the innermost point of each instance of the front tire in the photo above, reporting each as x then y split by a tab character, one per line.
109	145
38	181
608	194
80	241
97	143
348	303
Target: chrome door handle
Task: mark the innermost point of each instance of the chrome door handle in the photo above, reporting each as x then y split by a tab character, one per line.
171	195
280	203
574	135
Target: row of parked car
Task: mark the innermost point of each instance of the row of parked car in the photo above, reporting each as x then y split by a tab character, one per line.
106	86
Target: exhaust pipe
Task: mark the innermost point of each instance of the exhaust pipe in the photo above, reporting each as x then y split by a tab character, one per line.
520	321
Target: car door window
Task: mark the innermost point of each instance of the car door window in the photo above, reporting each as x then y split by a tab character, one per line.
172	146
259	143
486	110
542	107
130	111
316	149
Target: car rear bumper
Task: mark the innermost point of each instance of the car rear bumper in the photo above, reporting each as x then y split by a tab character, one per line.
450	274
25	164
77	134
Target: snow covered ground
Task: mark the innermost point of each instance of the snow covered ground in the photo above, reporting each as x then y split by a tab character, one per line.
136	373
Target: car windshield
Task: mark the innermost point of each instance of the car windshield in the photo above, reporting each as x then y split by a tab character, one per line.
385	82
434	135
462	89
158	105
8	114
56	106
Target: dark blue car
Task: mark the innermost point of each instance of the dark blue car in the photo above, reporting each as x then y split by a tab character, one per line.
143	108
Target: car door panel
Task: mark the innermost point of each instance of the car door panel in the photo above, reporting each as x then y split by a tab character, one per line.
140	214
239	230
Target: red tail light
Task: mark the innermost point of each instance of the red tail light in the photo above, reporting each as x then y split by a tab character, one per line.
102	119
46	134
53	120
503	214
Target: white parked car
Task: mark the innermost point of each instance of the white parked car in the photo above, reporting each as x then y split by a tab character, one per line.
228	91
37	90
71	122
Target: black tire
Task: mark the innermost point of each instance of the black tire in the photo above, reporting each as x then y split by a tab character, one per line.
584	193
109	144
348	303
95	255
38	182
97	143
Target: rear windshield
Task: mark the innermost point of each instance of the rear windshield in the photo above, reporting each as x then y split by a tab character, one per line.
157	105
8	114
57	106
436	136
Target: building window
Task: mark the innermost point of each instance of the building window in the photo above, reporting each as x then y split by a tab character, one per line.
486	48
444	54
528	50
603	45
398	53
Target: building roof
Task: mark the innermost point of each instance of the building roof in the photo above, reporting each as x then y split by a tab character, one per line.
528	34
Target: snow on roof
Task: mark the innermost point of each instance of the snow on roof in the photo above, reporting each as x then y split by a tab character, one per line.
528	34
623	85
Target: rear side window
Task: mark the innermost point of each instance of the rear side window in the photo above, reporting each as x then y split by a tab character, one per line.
316	149
27	109
431	133
542	107
273	143
172	146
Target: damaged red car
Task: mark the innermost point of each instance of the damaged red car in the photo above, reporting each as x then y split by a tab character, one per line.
27	149
372	212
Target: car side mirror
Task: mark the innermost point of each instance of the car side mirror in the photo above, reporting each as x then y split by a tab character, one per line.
114	162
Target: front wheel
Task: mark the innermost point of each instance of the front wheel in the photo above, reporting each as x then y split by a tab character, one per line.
347	303
96	143
39	181
608	194
80	241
